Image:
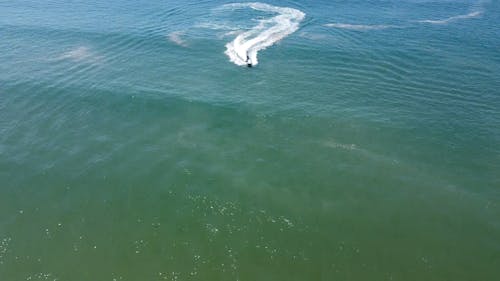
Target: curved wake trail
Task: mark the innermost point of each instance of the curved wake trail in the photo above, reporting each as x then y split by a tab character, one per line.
244	48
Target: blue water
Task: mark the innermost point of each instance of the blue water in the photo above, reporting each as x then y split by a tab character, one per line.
363	144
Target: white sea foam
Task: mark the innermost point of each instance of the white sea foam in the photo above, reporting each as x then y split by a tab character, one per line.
312	36
80	54
470	15
334	144
177	39
358	27
77	54
265	34
222	35
216	26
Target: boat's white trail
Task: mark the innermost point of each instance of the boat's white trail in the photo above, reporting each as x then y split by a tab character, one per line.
264	34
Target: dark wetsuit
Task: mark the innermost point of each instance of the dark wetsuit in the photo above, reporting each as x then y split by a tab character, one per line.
249	63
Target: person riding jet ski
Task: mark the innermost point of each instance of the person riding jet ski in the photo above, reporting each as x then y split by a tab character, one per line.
248	61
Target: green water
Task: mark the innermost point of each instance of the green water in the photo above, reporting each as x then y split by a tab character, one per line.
198	192
349	153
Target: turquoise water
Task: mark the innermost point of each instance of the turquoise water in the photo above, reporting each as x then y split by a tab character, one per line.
136	145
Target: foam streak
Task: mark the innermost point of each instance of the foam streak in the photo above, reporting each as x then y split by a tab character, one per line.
176	38
358	27
450	19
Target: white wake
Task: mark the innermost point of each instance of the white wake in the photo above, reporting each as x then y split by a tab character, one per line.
244	48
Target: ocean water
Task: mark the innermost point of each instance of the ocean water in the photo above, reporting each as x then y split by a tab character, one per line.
363	144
